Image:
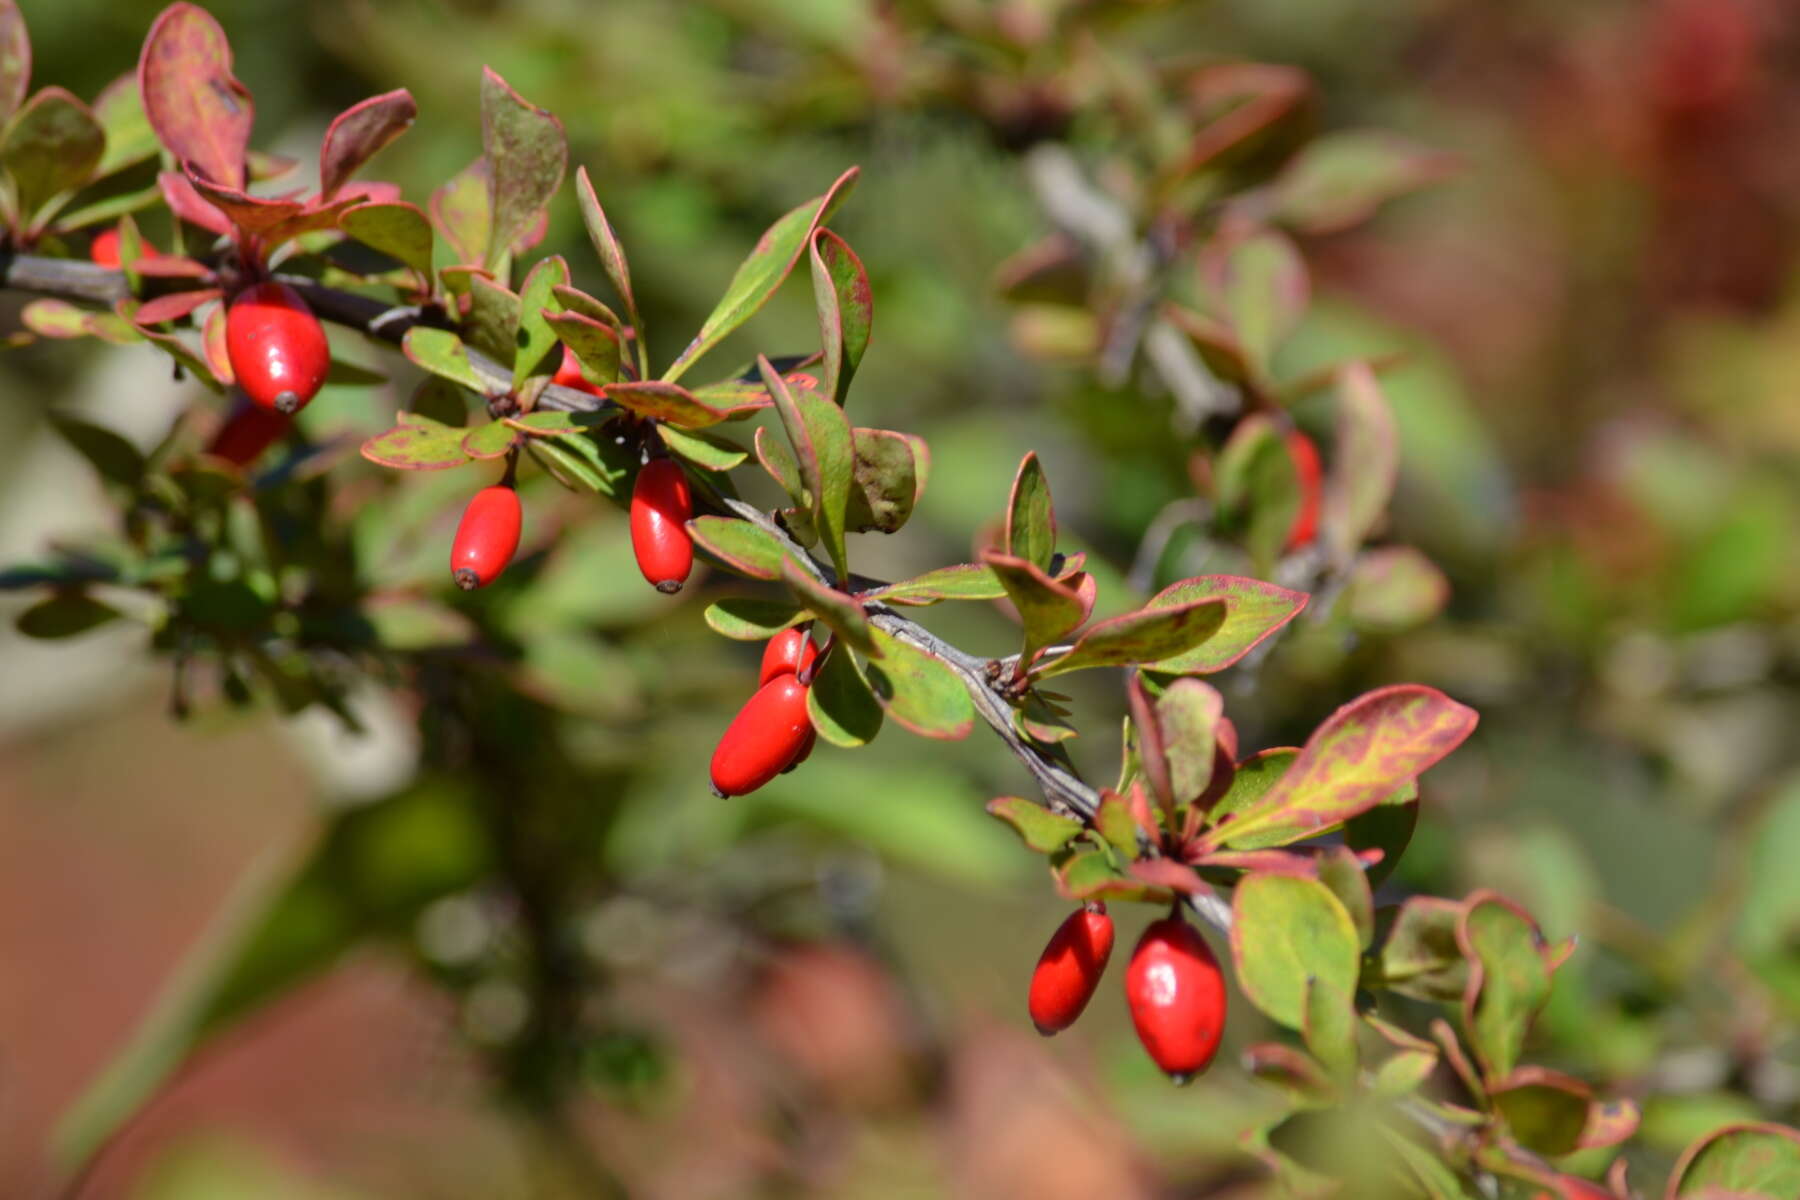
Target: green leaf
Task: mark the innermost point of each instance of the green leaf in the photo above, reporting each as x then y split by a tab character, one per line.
846	309
702	451
1342	872
1387	827
536	339
1340	179
417	444
1030	517
1420	956
1329	1027
742	547
1187	716
51	146
399	230
200	112
60	319
1261	289
1259	486
15	59
492	324
1358	757
663	402
1749	1160
843	710
114	457
1147	636
595	343
919	692
819	433
762	272
64	615
1040	829
1545	1111
612	255
491	440
1253	611
1509	980
1116	825
840	613
1365	461
964	581
461	213
889	479
551	423
1285	931
1395	588
1047	609
526	155
750	619
443	354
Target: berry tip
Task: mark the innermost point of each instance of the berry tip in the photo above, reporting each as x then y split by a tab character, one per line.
466	579
287	402
669	587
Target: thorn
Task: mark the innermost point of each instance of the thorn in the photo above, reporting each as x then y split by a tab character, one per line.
466	578
287	402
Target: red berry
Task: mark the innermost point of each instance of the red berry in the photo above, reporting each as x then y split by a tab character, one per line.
1305	456
660	508
1069	969
247	432
486	538
1177	997
766	736
277	347
105	248
569	374
788	653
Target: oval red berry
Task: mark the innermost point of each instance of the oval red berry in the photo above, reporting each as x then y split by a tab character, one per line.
766	736
660	508
568	374
788	653
1176	993
1070	968
247	432
487	537
1305	456
104	249
278	349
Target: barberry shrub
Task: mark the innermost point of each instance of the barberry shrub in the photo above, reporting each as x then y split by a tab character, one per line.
1398	1032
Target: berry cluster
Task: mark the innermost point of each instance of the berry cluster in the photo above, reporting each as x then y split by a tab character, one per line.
772	733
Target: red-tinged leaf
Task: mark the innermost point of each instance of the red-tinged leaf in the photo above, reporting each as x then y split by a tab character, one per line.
841	614
15	59
173	306
1030	531
418	444
1365	460
168	266
1266	862
1152	755
491	440
661	401
1360	755
1167	873
358	134
526	153
1039	828
401	231
1253	611
1509	978
762	272
191	206
1395	588
964	581
59	319
1544	1110
1290	1069
889	479
212	345
606	245
819	434
918	691
1609	1123
1091	875
461	214
745	548
1149	635
846	309
1420	957
50	146
1259	285
1340	179
597	345
1743	1160
1188	714
200	112
1047	608
252	214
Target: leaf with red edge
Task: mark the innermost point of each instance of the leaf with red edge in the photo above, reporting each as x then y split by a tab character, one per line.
1167	873
526	154
606	245
963	581
1365	460
15	59
1047	608
595	343
401	231
888	479
1039	828
1091	875
190	205
1744	1161
1340	179
762	272
1148	635
662	401
1254	610
417	444
1030	531
359	132
1509	978
461	213
1357	758
129	139
173	306
51	146
1545	1111
252	214
59	319
200	112
845	306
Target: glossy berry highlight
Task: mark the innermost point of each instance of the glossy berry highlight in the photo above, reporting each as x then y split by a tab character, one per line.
277	348
487	537
1176	994
766	737
788	653
1305	456
660	508
1069	969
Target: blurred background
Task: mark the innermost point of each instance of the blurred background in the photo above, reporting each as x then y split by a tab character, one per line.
819	989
